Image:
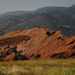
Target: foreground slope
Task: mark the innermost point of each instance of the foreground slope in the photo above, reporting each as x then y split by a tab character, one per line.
43	67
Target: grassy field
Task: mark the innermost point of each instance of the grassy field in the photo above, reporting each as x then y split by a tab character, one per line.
38	67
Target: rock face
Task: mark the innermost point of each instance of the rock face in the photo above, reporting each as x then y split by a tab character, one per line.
36	43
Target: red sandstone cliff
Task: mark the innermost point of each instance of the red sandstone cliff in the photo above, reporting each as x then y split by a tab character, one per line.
37	43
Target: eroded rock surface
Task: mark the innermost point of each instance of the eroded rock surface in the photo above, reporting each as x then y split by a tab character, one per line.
36	43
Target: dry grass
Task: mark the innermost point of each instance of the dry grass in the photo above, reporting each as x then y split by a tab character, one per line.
38	67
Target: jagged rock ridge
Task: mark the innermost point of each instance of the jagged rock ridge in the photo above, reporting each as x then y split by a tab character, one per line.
36	43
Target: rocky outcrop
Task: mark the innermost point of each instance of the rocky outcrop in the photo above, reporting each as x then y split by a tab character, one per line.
36	43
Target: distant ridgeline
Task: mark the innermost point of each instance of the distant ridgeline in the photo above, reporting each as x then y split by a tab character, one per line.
62	18
36	43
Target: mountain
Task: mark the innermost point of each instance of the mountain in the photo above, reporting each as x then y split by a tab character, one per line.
36	43
62	18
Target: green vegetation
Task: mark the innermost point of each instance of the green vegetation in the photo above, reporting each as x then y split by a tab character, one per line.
38	67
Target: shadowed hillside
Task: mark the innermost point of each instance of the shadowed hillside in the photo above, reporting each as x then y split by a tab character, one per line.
62	18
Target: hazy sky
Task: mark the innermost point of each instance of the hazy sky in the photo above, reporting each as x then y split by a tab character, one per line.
12	5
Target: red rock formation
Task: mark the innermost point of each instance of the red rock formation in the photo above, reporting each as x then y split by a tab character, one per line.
38	43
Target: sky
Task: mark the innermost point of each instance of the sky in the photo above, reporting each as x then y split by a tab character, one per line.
13	5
